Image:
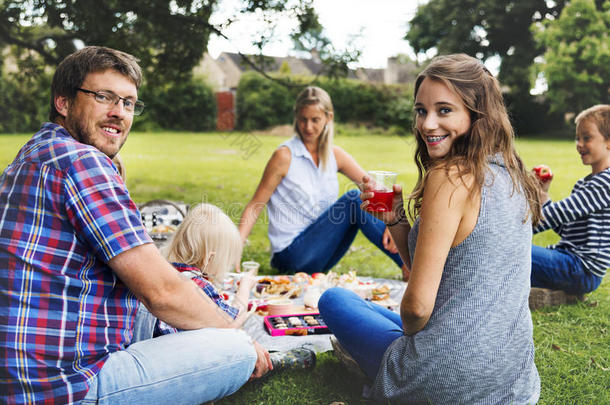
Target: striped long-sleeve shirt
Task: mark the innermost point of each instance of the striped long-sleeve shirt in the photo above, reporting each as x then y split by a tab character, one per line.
583	222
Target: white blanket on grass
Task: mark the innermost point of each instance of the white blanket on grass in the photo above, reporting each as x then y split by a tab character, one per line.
319	343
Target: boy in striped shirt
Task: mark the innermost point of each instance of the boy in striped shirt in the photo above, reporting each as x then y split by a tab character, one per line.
578	262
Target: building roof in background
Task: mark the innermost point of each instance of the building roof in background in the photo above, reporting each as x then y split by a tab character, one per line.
233	65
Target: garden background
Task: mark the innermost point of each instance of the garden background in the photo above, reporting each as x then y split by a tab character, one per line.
173	153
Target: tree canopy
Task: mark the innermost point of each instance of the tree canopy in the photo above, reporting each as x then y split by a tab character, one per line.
169	37
577	58
485	28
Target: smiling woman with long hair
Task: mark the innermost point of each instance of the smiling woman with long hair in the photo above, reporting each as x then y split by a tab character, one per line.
464	332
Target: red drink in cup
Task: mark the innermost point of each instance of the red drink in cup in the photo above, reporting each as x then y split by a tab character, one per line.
383	193
381	201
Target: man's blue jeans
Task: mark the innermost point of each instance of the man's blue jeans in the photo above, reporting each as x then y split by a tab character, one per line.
364	329
558	269
191	367
323	243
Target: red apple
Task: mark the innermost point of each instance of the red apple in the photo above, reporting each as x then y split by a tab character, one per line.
317	275
543	172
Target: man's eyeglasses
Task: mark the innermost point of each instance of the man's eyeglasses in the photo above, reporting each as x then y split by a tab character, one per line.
108	97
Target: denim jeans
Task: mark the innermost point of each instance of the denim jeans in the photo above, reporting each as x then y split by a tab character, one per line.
191	367
558	269
323	243
364	329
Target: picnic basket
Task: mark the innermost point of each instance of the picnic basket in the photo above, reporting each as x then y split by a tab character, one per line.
161	218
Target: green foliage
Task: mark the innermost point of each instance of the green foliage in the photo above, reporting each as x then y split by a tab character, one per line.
484	28
186	106
169	37
577	58
491	28
24	96
262	103
169	40
534	116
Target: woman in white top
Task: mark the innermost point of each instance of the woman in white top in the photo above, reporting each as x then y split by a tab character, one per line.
309	228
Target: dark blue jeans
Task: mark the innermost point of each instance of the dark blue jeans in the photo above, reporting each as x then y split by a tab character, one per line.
561	270
364	329
323	243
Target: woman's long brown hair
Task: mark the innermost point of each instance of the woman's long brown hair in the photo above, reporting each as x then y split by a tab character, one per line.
490	133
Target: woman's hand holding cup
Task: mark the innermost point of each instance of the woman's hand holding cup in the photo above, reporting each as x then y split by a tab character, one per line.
390	216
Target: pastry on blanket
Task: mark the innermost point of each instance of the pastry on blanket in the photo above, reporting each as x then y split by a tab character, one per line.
164	229
302	278
381	293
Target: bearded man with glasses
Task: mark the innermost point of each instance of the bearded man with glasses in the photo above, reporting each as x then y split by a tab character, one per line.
75	260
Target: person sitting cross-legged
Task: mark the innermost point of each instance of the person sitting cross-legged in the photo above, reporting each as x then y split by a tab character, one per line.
75	260
578	262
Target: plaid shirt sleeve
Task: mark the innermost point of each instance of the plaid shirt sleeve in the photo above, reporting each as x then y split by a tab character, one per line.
100	209
211	292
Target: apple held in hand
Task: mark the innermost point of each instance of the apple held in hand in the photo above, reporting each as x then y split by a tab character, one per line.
543	172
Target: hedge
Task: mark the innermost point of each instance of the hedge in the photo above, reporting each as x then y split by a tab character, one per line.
25	102
262	103
186	106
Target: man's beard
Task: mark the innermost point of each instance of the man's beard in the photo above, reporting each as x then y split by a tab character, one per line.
75	127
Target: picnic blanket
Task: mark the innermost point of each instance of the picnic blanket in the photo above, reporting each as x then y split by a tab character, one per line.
319	343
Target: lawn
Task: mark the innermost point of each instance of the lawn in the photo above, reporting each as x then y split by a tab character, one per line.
572	342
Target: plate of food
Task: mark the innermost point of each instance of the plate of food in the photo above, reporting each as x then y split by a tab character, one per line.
280	286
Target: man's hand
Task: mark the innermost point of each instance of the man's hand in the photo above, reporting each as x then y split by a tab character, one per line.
263	362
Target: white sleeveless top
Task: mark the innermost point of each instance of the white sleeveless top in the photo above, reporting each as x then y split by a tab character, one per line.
302	196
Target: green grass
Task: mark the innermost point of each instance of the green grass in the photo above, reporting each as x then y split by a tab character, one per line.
572	342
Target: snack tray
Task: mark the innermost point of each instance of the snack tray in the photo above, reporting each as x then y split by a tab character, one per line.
270	322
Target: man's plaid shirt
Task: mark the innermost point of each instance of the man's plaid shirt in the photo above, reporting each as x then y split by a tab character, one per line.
64	212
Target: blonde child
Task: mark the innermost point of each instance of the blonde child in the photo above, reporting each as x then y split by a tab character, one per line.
204	247
578	262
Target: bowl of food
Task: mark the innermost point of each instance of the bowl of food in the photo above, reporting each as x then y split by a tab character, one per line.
280	307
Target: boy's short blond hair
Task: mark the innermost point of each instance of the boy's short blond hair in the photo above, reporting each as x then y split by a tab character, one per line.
599	115
206	229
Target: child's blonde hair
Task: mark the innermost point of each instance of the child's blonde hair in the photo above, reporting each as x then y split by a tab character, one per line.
206	229
598	115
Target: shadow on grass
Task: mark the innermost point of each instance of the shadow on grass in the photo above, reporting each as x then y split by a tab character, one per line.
326	383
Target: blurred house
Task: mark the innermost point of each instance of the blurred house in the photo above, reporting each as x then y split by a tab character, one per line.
224	73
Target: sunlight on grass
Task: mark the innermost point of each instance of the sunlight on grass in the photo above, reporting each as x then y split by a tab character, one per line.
572	342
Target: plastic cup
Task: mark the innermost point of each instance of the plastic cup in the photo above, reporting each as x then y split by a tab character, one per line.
383	192
249	266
